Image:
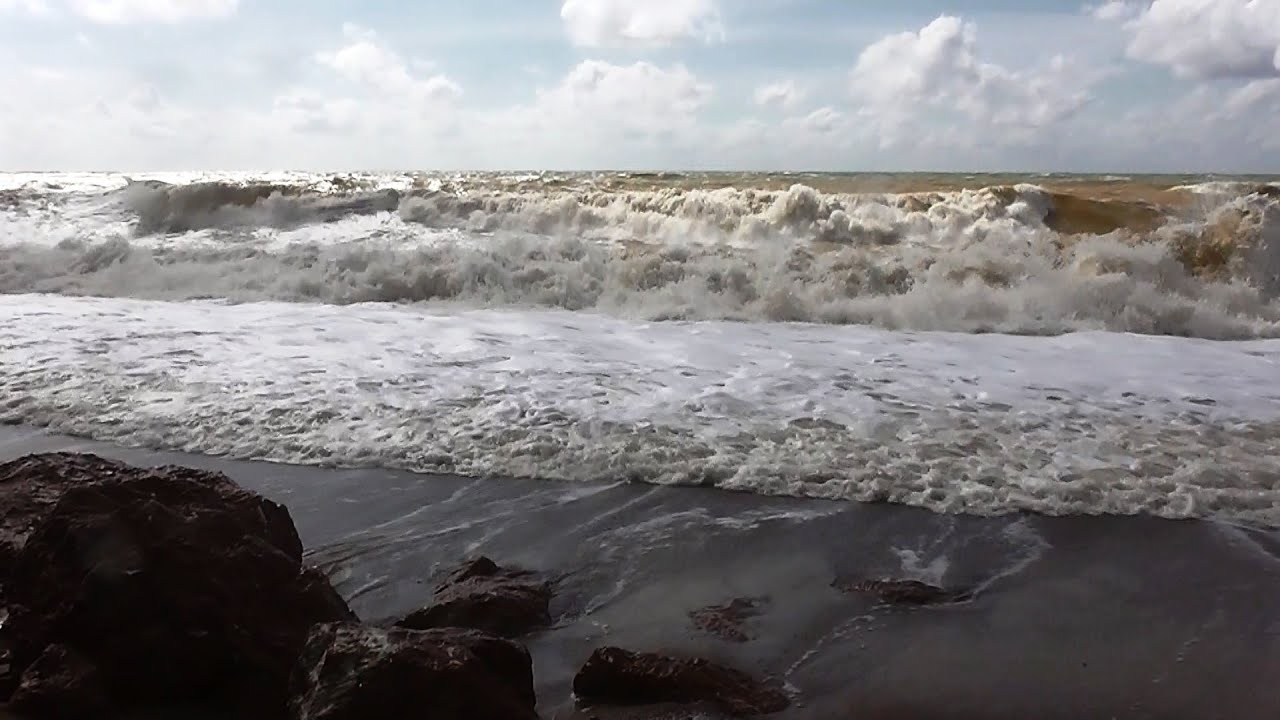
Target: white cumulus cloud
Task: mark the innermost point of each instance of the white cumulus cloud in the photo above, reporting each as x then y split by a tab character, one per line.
611	23
1115	10
602	114
365	62
1203	38
937	73
642	97
784	94
379	93
124	12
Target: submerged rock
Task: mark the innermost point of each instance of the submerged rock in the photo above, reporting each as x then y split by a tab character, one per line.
60	685
613	676
727	621
357	672
905	592
177	584
483	596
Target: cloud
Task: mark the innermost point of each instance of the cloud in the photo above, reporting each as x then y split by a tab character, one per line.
126	12
784	94
381	94
1115	10
91	118
823	121
600	113
614	23
641	98
936	74
364	62
312	112
37	8
1203	38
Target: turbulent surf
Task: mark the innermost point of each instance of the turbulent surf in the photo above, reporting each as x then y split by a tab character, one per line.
937	254
757	332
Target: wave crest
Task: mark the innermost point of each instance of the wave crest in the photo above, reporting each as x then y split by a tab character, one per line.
1010	258
164	208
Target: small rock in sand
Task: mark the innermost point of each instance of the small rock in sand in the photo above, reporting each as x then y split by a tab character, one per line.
727	621
356	672
613	676
904	592
483	596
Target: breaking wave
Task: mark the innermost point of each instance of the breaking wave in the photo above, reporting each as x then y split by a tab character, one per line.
1202	261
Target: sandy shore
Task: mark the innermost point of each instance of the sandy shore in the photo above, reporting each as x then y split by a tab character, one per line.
1072	618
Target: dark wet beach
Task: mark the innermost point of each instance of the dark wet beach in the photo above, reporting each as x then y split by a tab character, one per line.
1106	617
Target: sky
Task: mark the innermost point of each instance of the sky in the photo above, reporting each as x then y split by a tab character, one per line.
835	85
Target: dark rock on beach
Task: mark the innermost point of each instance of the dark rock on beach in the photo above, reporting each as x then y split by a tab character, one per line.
30	487
613	676
176	584
60	685
357	672
728	621
9	674
483	596
905	592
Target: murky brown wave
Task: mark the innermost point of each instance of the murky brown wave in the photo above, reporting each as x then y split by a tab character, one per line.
1025	254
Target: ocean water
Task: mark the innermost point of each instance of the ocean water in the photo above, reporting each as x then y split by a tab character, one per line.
966	344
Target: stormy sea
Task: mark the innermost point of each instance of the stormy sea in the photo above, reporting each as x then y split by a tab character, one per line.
1058	394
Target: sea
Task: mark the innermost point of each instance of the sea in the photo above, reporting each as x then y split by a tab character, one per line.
969	344
671	390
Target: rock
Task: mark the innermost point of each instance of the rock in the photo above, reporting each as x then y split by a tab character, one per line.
177	584
905	592
29	488
613	676
356	672
482	596
8	673
726	621
59	685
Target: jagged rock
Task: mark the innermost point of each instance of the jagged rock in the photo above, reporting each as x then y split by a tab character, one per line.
483	596
29	488
613	676
727	621
60	685
8	673
177	584
357	672
905	592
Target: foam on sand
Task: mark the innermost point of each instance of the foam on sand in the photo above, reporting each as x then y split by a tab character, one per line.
1079	424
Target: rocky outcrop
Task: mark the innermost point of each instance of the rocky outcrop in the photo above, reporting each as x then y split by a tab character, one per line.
904	592
356	672
727	622
176	584
613	676
30	487
60	685
483	596
8	673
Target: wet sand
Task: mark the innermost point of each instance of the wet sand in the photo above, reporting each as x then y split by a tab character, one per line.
1073	617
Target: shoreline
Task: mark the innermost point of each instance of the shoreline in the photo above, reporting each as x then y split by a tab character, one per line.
1127	617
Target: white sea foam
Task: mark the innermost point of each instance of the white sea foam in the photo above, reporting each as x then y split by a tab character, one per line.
1083	423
